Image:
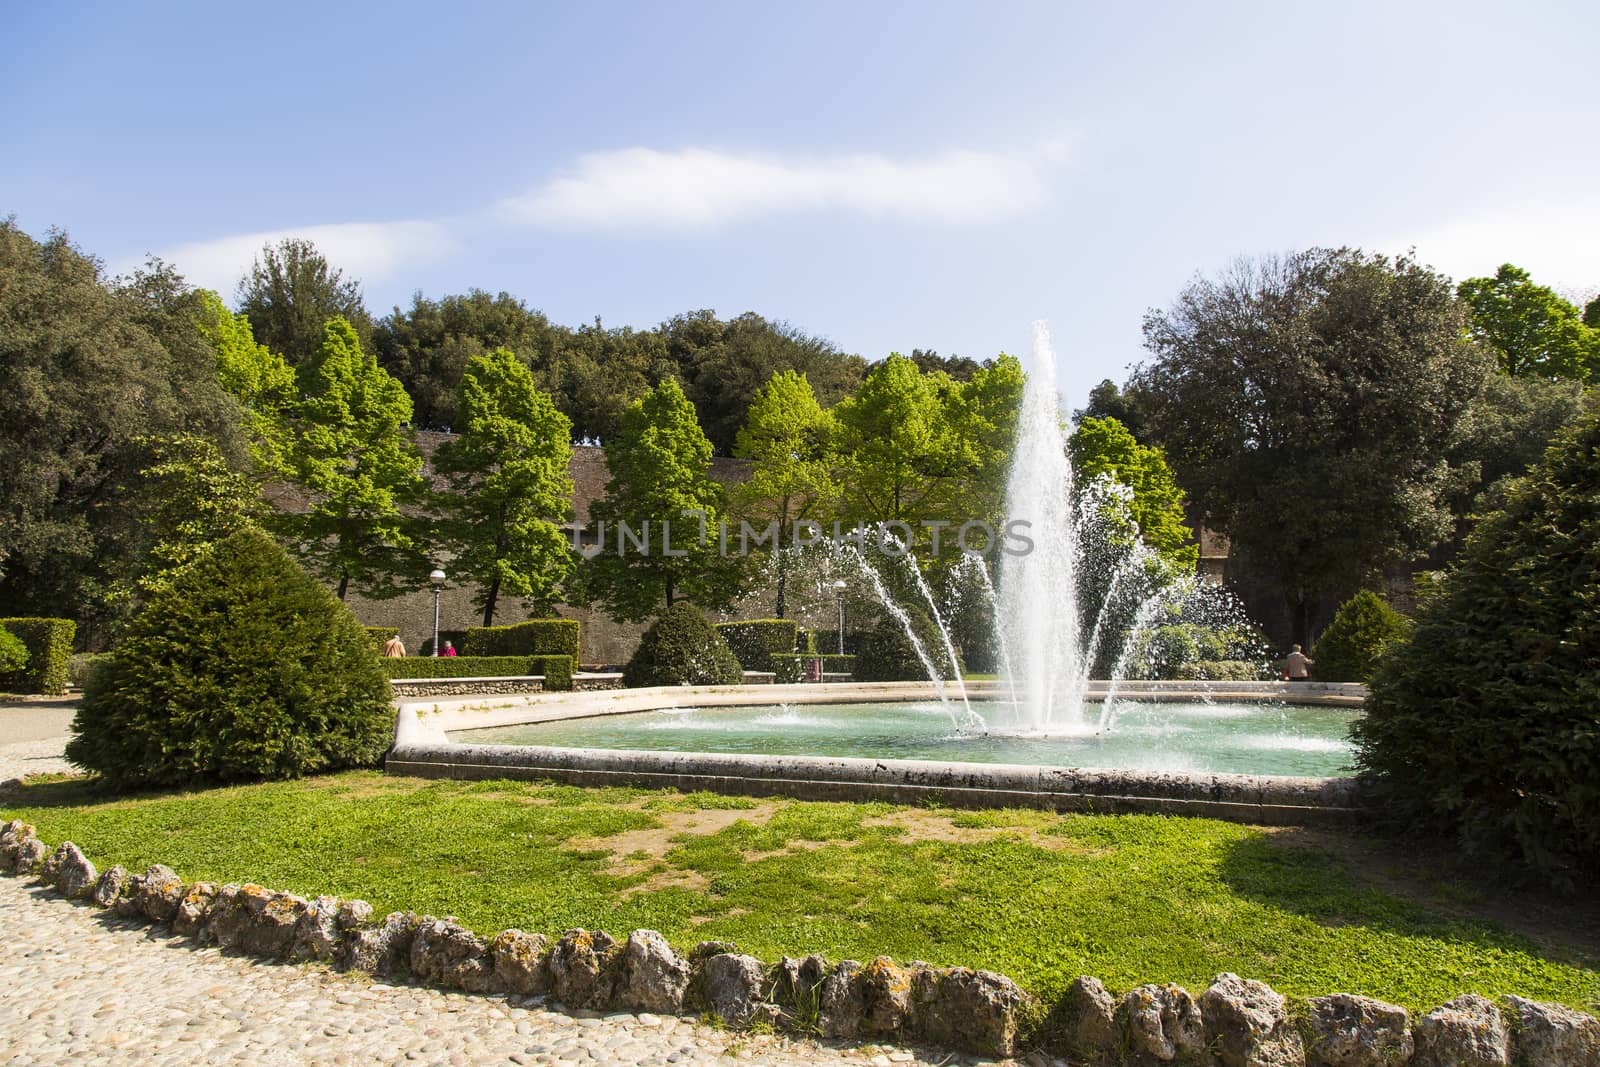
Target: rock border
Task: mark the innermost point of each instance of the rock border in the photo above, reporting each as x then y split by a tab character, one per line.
1235	1022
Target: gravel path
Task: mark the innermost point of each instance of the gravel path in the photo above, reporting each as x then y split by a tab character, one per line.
78	985
33	735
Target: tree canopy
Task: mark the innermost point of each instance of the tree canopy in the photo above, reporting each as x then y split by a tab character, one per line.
1308	404
1104	447
1531	327
291	291
510	489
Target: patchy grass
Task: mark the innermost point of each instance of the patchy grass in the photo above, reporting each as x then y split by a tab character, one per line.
1038	896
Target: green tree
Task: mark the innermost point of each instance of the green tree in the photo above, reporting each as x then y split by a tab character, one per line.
292	291
258	379
1104	447
787	437
510	486
602	371
353	456
660	462
1486	724
88	376
1307	405
980	415
1128	406
1531	327
429	345
892	442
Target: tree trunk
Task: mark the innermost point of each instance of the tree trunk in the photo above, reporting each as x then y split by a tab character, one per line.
344	583
489	601
783	580
669	592
1300	618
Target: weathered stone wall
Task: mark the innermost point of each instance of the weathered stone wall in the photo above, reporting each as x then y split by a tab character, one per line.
1235	1022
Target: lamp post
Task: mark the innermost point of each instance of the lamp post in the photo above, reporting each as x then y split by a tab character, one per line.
436	579
838	593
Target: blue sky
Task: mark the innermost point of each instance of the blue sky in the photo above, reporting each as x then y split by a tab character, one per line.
888	175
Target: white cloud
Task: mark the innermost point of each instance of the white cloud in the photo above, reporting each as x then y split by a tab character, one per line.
363	250
1557	243
699	188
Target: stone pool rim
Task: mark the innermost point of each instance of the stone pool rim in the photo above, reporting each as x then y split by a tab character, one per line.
423	748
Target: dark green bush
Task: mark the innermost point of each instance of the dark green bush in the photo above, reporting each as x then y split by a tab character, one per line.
827	642
792	668
1485	722
49	644
536	637
458	638
755	642
456	667
13	653
1349	648
887	654
557	670
682	647
245	668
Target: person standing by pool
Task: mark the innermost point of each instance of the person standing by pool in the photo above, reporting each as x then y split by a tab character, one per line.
1297	665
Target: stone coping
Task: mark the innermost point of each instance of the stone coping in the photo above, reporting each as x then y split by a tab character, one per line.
423	748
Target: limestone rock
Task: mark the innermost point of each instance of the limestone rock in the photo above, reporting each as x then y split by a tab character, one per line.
519	962
13	832
706	949
1163	1024
1553	1036
383	950
1467	1032
961	1008
1246	1025
109	889
1352	1031
194	909
29	855
45	870
156	893
797	990
654	979
841	1009
74	875
1089	1015
447	954
733	986
885	996
583	969
354	913
318	933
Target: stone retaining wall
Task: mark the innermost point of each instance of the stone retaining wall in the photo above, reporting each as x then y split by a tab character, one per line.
1234	1023
508	685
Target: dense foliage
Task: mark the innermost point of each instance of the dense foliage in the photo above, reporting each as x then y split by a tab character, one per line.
1532	328
887	654
756	641
535	637
49	655
682	648
1486	722
244	669
510	486
1362	629
13	657
1308	405
1104	447
291	291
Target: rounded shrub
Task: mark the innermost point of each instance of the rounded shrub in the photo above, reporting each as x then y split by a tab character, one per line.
13	653
1362	628
244	669
1485	722
887	654
682	648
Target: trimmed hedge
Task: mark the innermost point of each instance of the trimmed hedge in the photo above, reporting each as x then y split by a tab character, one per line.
1362	628
792	668
49	644
454	637
682	648
13	653
244	668
536	637
826	642
556	670
1485	723
756	641
1225	670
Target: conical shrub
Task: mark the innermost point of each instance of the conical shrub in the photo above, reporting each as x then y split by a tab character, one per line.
244	669
682	647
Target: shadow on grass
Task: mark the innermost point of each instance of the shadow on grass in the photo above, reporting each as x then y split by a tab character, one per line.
1415	888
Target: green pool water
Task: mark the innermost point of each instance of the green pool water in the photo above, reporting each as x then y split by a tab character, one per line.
1220	738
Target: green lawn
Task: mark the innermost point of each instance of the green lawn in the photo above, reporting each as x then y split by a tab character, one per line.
1039	897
